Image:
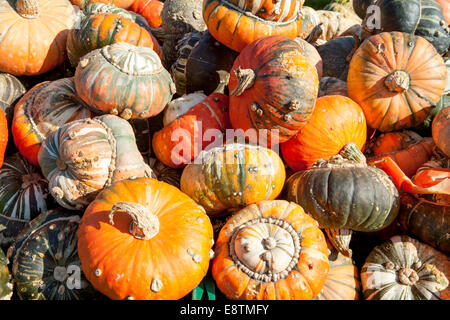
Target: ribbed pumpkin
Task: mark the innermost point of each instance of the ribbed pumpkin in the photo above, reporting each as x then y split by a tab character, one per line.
6	287
441	130
233	176
11	88
396	78
345	193
181	141
150	9
237	29
144	239
342	281
281	10
42	41
403	268
23	195
42	110
335	122
206	62
178	107
45	263
408	149
427	220
84	156
125	80
271	250
3	136
310	52
97	31
330	86
98	8
272	86
125	4
183	48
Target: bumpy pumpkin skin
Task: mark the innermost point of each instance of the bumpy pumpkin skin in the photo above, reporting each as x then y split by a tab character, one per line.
84	156
150	9
44	256
406	148
42	110
233	176
181	141
23	196
440	130
312	54
4	132
280	92
115	79
342	281
404	77
429	221
403	268
41	45
335	122
124	267
269	236
231	27
6	287
97	31
368	202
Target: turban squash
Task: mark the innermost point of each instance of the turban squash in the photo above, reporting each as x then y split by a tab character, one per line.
271	250
45	262
403	268
233	176
232	27
84	156
200	127
125	80
42	110
273	87
125	4
33	40
396	78
98	8
335	122
279	10
144	239
99	30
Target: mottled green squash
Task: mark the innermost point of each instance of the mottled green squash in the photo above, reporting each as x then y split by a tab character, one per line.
45	262
334	54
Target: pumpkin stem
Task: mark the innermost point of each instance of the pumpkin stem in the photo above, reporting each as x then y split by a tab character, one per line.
407	276
28	8
224	77
340	239
397	81
351	152
246	78
144	225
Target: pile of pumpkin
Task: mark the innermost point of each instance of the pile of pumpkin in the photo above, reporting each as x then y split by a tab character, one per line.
102	197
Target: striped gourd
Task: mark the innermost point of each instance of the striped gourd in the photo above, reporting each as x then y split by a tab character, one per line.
403	268
433	27
278	10
233	176
123	79
5	278
184	47
98	7
23	195
45	262
42	110
11	89
84	156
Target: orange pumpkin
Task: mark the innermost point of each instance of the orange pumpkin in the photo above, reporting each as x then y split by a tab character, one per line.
279	10
34	34
273	87
335	122
234	28
178	143
150	10
445	6
271	250
441	130
396	78
3	136
125	4
406	148
144	239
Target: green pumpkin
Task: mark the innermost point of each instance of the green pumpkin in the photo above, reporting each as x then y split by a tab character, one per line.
427	220
360	7
5	278
23	196
403	268
98	7
45	262
399	15
334	54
